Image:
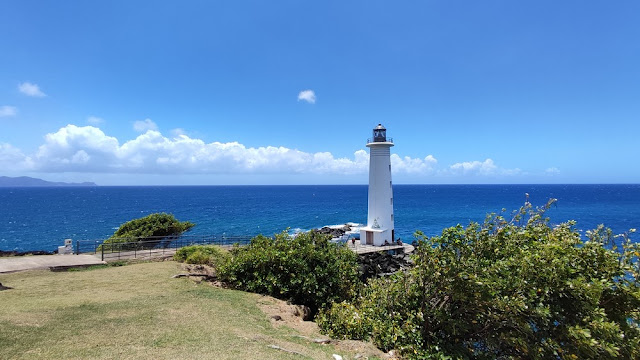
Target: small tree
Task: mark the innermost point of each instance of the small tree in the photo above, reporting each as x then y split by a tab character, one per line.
514	288
135	232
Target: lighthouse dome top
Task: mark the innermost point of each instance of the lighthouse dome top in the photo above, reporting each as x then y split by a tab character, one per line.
380	135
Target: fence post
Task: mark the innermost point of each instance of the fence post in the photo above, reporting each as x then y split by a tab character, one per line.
102	247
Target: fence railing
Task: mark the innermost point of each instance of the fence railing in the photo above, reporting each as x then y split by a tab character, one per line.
148	247
369	140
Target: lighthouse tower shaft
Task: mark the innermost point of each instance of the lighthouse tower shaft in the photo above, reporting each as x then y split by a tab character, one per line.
380	223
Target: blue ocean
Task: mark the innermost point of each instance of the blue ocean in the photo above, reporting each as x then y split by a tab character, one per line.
41	218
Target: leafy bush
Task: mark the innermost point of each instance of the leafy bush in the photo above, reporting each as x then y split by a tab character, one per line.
307	269
506	289
137	233
344	321
183	253
198	258
211	255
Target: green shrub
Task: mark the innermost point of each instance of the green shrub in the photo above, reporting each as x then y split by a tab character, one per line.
506	289
144	232
183	253
211	255
198	258
307	269
343	321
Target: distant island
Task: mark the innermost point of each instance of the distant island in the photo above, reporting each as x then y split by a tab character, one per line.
25	181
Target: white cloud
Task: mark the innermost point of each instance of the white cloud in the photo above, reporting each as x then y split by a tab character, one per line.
486	167
94	120
6	111
512	172
30	89
11	158
144	125
308	96
74	148
481	169
552	171
88	149
413	166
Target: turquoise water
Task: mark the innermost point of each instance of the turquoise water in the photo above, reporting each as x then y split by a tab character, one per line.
41	218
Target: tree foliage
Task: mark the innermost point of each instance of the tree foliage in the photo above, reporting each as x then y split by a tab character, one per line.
306	269
516	288
155	226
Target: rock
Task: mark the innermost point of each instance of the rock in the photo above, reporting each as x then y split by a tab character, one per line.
337	357
285	350
302	311
333	232
2	287
277	317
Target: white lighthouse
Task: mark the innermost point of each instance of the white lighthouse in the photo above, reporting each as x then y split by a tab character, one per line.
379	227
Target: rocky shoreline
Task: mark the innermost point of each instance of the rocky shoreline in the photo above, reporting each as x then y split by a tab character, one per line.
382	263
335	232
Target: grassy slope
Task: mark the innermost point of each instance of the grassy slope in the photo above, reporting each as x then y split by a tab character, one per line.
136	311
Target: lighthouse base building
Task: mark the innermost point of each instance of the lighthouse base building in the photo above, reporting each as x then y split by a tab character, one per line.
380	225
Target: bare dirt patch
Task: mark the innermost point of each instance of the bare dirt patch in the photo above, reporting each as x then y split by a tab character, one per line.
281	313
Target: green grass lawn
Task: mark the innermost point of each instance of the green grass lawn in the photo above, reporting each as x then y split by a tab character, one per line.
138	312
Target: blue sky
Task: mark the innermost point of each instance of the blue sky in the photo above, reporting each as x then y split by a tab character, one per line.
287	92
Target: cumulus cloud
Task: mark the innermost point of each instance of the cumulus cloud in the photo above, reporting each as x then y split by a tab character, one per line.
94	120
30	89
308	96
11	158
144	125
413	165
74	148
486	167
481	168
88	149
6	111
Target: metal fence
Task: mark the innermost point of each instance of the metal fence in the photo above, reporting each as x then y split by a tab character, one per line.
152	247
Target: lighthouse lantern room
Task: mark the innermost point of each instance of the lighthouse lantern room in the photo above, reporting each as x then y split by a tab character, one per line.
380	228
